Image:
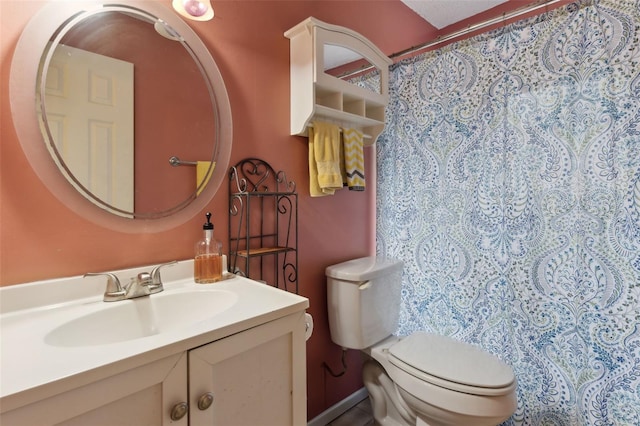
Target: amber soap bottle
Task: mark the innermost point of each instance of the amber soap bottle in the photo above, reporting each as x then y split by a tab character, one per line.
208	261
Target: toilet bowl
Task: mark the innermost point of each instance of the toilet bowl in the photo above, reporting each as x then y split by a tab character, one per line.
421	379
443	381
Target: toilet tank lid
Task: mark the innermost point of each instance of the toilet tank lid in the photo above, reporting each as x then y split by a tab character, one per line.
364	268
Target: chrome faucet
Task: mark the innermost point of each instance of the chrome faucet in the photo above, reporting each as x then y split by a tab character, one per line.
141	285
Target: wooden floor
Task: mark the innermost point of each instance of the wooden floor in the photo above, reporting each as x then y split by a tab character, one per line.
359	415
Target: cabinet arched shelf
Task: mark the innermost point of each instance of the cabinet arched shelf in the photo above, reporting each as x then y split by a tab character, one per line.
317	93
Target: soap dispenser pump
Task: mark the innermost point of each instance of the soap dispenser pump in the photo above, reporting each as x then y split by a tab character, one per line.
208	260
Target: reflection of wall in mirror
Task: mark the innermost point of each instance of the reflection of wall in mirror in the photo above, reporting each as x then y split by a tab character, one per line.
348	65
172	105
357	71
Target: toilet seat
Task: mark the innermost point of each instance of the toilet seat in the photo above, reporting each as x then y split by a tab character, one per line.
452	364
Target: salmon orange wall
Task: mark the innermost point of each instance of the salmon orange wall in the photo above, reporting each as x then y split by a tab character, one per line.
40	238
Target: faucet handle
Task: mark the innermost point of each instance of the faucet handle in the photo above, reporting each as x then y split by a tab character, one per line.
138	286
114	290
156	284
144	278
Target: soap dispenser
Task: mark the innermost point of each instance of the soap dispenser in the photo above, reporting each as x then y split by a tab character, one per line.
208	260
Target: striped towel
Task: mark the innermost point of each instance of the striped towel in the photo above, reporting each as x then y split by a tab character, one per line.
354	159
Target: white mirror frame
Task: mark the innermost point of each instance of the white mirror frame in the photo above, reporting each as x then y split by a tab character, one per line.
22	92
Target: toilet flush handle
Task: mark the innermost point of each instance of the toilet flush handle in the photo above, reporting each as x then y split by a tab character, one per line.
364	285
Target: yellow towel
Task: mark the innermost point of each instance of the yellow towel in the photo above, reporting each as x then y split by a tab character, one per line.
204	170
324	159
354	159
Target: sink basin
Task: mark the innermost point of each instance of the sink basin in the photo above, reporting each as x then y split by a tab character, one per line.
142	317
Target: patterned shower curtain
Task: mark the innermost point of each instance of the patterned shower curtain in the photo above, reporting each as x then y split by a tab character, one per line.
509	183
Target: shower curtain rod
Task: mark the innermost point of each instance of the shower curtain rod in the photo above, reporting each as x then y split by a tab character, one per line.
532	7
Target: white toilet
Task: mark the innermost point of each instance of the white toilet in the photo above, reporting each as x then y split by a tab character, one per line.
421	379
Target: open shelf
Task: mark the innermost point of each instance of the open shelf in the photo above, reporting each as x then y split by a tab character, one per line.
261	251
263	224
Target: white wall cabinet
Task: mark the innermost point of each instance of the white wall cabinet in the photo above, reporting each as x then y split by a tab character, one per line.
324	60
256	378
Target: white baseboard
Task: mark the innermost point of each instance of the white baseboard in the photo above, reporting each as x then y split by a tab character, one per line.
336	410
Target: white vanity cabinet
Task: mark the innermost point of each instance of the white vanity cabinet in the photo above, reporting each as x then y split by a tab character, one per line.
135	397
253	378
256	378
245	365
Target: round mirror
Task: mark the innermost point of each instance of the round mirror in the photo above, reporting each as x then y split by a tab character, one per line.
131	108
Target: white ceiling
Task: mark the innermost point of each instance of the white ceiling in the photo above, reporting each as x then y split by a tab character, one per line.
441	13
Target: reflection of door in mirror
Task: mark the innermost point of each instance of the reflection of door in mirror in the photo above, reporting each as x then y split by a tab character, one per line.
173	110
352	67
181	108
89	106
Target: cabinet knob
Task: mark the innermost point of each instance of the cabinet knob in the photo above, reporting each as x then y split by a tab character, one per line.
205	401
179	411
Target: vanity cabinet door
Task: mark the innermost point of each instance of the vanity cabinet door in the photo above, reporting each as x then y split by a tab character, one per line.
253	378
142	396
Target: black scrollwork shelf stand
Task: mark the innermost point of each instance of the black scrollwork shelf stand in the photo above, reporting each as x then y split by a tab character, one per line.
263	224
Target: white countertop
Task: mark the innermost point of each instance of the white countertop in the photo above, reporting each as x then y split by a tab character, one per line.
31	369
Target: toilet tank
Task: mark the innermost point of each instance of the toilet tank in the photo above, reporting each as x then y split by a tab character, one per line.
363	298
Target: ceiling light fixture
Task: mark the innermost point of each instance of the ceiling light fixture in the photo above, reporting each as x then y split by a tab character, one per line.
197	10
